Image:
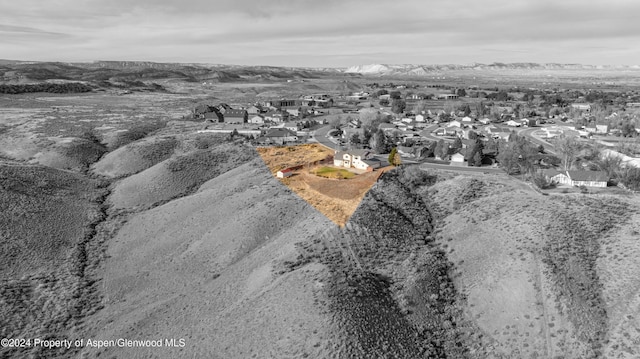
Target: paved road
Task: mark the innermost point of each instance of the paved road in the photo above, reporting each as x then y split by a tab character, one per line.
528	133
321	135
427	165
429	129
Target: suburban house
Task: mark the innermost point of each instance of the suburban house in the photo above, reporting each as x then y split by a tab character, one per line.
602	128
282	103
254	110
276	117
447	96
578	177
256	119
553	132
360	159
235	116
457	159
513	123
421	118
485	121
529	122
291	126
417	96
467	120
213	116
387	127
405	151
454	123
279	136
498	133
581	106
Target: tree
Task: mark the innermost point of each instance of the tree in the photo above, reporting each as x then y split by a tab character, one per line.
508	157
379	142
610	164
466	109
395	95
355	139
630	177
442	150
398	105
335	123
461	92
457	143
477	159
475	149
394	157
567	148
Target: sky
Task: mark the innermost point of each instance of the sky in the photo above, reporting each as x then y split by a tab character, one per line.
322	33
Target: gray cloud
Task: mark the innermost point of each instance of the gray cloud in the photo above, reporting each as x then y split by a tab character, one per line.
344	30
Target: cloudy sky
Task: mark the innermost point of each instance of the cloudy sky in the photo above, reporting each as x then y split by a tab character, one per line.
331	33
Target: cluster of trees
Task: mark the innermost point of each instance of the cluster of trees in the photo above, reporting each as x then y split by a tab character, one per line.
70	87
501	95
518	155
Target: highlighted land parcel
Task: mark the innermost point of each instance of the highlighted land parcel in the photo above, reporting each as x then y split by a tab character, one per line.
335	192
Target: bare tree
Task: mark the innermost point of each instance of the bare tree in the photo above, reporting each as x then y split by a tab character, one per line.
568	149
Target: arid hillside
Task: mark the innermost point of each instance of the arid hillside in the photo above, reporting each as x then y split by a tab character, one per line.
543	276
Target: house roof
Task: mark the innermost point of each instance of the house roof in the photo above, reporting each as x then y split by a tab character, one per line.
372	162
286	170
359	152
594	176
550	172
279	132
235	113
405	149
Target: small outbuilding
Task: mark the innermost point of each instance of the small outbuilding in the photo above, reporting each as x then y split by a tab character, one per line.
287	172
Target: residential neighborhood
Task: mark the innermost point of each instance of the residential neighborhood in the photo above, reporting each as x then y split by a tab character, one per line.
464	128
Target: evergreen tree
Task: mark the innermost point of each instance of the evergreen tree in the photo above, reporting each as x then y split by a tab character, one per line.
393	157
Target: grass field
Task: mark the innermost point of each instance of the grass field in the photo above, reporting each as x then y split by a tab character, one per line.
331	172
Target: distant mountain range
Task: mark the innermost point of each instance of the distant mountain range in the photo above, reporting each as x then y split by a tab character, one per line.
423	70
12	71
21	71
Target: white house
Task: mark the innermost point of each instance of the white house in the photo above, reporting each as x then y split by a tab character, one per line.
467	120
581	106
275	117
457	159
421	118
579	178
454	123
512	123
291	126
257	119
360	159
